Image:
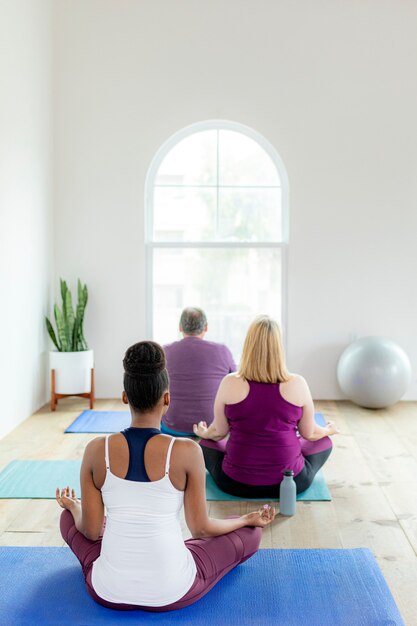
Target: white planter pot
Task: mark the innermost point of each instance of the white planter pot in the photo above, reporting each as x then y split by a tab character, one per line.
72	371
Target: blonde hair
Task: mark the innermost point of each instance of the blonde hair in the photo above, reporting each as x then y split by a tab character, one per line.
263	358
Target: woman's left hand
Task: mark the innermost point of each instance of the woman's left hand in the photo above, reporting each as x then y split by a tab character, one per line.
261	518
200	429
66	498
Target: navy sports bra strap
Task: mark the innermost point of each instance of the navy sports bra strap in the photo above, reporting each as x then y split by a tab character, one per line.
137	438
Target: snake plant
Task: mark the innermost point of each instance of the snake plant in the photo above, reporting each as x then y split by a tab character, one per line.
70	335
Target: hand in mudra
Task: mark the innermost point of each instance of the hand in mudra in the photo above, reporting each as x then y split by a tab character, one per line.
264	516
200	429
332	428
66	498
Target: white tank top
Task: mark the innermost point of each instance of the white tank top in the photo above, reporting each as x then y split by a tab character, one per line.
143	558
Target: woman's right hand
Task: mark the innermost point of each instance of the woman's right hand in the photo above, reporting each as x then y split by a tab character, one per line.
264	516
67	499
200	429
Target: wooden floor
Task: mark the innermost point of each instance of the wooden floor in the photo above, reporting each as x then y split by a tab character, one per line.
372	475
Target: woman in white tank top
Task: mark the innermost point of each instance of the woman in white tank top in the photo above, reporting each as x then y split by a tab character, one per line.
142	479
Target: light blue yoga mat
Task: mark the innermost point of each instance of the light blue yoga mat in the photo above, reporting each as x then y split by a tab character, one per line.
109	422
39	479
318	490
45	587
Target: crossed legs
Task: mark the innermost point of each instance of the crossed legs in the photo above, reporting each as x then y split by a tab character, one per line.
214	558
315	455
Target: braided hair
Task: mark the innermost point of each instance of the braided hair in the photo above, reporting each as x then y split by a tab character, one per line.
146	378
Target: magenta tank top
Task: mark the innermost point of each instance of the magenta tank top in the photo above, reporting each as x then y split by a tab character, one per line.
263	440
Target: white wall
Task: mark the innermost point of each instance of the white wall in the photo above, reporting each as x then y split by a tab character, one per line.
331	84
25	208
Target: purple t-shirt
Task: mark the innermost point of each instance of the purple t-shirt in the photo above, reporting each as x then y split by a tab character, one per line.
196	367
263	440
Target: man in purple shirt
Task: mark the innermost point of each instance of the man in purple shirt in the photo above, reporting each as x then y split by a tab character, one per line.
196	368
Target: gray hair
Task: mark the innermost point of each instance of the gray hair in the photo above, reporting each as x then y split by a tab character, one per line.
193	321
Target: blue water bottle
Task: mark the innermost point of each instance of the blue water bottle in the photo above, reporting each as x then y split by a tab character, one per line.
287	494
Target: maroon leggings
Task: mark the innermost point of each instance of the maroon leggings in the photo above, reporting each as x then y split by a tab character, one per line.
214	557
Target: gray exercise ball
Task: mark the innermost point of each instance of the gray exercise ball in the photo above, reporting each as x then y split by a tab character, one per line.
374	372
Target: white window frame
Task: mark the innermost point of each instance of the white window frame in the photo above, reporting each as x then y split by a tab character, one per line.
151	244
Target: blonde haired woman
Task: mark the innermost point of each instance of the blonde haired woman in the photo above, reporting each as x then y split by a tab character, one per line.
261	408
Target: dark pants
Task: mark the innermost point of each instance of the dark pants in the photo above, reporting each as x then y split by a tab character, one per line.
214	557
315	455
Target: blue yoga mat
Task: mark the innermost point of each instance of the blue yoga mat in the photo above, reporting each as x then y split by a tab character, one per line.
39	479
100	422
109	422
45	586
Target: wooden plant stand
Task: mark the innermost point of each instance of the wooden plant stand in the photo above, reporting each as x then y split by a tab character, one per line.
58	396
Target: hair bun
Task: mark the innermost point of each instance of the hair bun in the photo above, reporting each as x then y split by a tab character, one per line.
145	358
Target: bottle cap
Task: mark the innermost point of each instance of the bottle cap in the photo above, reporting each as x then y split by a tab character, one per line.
288	473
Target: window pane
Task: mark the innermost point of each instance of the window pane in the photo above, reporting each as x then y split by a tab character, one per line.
232	286
184	214
242	161
193	161
249	214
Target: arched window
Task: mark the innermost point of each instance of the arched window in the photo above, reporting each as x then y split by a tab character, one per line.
216	231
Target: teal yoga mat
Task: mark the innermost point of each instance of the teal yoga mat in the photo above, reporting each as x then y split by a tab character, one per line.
39	479
317	491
